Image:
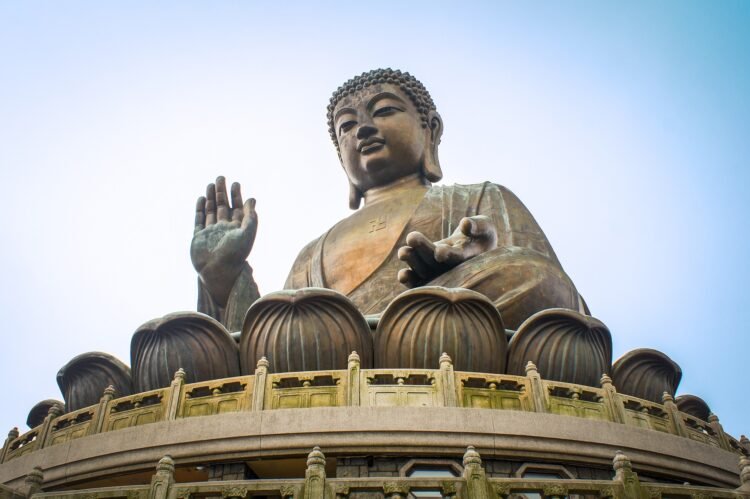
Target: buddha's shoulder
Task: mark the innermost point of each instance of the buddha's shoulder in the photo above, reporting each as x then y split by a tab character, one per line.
479	189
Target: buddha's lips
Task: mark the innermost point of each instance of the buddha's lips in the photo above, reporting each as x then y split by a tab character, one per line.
370	145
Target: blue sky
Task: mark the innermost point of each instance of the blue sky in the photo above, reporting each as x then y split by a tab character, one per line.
622	126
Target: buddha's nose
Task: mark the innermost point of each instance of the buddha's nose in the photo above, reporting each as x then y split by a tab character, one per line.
366	130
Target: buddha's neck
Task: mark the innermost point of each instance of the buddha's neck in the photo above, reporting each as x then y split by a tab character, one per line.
395	189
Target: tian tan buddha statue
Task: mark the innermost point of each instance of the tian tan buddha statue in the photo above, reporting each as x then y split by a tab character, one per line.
416	272
409	233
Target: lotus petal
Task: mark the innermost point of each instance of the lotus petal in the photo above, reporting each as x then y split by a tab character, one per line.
308	329
82	380
565	346
693	405
39	411
422	323
194	342
646	374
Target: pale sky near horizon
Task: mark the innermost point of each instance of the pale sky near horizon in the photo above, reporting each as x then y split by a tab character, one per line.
623	127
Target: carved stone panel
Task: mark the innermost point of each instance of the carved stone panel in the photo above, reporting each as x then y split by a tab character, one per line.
308	329
194	342
646	374
82	380
421	324
564	345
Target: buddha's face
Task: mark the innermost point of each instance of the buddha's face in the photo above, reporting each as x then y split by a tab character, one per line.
380	135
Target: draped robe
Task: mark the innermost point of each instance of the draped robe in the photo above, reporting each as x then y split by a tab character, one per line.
521	276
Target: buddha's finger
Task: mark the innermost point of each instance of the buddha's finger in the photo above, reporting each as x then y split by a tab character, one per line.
424	248
222	203
408	278
237	207
249	218
408	255
200	214
210	204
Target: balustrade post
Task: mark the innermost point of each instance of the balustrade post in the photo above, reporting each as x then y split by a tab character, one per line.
626	476
744	474
53	413
34	481
175	394
261	377
12	435
315	475
713	422
616	409
163	479
477	486
678	424
353	380
538	391
100	414
448	381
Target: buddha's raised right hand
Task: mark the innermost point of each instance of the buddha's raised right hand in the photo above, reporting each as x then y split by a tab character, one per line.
223	238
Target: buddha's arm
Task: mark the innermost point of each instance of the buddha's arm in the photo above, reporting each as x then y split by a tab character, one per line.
221	243
243	293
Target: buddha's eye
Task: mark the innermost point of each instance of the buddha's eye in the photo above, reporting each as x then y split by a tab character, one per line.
346	126
387	111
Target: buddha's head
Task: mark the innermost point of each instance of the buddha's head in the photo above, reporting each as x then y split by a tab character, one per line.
385	127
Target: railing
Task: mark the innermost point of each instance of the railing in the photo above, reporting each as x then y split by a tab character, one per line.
442	387
472	484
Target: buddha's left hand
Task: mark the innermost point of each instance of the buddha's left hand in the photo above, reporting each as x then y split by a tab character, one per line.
427	260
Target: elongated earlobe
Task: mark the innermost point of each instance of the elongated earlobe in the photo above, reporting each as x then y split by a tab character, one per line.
431	168
355	196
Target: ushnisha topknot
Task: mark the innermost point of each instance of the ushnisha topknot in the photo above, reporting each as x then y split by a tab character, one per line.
412	87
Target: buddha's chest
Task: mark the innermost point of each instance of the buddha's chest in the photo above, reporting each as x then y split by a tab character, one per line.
357	246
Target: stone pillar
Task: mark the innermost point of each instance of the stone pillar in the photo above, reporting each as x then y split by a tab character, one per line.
713	422
395	490
624	474
259	392
174	395
34	481
353	380
538	392
448	381
163	479
97	425
476	480
744	474
44	434
613	400
678	424
315	475
12	435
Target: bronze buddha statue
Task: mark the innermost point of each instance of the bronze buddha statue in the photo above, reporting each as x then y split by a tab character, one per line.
409	233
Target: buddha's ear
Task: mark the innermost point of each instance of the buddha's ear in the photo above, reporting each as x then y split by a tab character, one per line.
355	196
431	168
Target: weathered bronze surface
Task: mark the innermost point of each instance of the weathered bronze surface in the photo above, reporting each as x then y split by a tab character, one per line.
422	323
647	374
185	340
40	410
83	380
564	345
693	405
308	329
408	234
